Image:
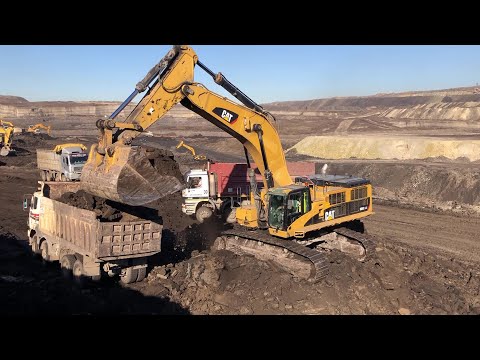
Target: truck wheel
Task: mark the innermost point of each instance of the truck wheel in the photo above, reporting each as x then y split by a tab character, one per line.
141	274
203	213
129	275
35	248
67	262
44	252
63	177
77	271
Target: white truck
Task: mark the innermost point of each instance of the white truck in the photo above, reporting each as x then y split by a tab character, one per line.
84	245
64	163
220	187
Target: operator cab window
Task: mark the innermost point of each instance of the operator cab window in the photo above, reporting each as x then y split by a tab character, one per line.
194	182
298	204
276	211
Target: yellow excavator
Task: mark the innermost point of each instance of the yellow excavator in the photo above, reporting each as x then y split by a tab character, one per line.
282	221
192	150
36	128
6	137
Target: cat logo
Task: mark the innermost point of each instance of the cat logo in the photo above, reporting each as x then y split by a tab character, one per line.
227	115
329	215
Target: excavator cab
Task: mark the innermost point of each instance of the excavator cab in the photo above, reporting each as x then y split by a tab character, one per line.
287	204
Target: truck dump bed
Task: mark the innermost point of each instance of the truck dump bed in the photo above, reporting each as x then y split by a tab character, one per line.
86	234
48	160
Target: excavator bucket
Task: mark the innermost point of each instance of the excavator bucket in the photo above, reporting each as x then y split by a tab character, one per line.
5	151
133	175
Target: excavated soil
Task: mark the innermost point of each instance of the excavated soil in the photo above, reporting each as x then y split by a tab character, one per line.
396	281
163	161
107	210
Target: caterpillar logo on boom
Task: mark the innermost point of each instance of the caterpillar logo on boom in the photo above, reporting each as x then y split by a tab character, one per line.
226	115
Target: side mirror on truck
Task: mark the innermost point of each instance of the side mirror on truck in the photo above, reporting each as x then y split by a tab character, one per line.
26	201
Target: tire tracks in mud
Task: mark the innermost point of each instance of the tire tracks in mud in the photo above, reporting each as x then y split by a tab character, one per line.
450	236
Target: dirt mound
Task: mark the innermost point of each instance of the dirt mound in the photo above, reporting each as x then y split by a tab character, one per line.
397	281
10	100
382	147
31	139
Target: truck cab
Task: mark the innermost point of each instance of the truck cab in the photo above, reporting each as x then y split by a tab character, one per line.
34	210
32	203
197	190
73	159
64	163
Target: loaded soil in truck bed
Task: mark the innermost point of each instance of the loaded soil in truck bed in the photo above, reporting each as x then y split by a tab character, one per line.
107	210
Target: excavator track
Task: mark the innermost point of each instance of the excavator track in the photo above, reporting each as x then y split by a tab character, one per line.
318	259
364	239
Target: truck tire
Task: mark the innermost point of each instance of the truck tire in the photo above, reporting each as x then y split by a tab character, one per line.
66	263
203	213
129	275
77	271
35	249
141	274
44	252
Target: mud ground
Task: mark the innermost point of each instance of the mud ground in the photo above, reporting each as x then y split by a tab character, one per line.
427	262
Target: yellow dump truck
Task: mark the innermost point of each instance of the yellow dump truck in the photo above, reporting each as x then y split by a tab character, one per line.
84	245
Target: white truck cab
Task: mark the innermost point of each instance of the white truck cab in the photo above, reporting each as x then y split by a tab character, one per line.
197	190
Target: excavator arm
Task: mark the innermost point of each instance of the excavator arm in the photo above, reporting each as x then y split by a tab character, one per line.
192	150
118	171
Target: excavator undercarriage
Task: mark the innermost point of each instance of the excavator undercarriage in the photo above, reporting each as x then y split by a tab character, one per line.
305	258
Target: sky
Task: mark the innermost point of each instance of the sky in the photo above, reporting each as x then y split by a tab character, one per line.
266	73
